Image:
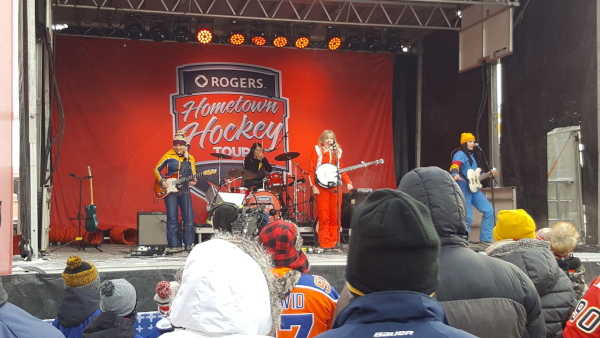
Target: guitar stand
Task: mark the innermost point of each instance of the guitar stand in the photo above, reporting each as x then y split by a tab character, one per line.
79	217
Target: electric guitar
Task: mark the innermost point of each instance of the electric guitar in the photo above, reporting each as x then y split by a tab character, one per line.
174	180
327	173
91	222
474	178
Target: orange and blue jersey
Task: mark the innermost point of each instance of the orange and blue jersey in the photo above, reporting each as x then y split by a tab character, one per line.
172	161
308	310
585	320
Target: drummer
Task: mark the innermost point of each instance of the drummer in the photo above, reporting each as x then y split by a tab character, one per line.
256	162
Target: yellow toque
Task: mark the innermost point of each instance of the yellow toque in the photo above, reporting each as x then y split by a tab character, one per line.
466	137
78	272
514	224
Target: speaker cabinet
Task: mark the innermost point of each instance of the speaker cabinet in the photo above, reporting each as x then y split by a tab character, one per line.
349	202
152	228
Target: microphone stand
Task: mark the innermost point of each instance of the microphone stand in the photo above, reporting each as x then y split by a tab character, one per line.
337	205
491	185
190	211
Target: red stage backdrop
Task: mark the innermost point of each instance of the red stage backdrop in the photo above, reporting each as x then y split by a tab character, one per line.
123	101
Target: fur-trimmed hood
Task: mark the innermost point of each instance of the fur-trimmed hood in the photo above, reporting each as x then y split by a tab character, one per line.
228	287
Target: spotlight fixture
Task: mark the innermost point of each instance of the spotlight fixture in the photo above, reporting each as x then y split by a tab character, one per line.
373	41
258	38
135	30
158	31
334	43
302	41
181	34
405	49
280	40
353	43
204	35
237	37
393	43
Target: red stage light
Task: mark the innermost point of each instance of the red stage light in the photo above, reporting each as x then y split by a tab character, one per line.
204	36
334	43
259	40
280	41
237	39
302	42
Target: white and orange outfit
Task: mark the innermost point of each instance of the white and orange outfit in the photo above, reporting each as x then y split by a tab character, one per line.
327	201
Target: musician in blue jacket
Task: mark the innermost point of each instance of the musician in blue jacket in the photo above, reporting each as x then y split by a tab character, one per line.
462	161
178	161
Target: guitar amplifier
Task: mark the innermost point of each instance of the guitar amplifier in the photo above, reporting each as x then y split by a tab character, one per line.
349	203
152	228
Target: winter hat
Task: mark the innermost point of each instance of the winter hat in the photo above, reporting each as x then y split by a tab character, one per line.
81	274
165	292
514	224
118	296
466	137
394	245
179	138
542	234
281	240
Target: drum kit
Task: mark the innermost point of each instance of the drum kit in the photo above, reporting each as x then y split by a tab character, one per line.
278	198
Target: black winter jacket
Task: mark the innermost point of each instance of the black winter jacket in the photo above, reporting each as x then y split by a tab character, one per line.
465	274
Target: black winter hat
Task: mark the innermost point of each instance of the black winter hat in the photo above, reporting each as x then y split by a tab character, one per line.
394	245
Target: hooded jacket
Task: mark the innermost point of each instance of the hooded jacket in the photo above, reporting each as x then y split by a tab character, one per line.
390	314
466	275
227	290
109	325
76	309
552	284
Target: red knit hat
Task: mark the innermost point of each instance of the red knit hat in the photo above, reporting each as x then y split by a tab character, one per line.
280	239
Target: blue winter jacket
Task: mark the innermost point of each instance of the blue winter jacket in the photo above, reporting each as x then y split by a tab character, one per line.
391	314
17	323
76	309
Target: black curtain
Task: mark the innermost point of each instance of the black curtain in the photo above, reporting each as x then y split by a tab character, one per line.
404	104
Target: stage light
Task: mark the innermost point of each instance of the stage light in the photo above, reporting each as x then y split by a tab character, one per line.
204	35
405	49
302	41
259	39
280	40
353	43
373	41
334	43
393	44
158	31
181	34
237	38
135	30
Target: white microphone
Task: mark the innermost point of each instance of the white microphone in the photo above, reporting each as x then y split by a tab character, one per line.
478	147
332	144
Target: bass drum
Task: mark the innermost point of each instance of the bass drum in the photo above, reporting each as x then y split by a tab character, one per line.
270	201
222	215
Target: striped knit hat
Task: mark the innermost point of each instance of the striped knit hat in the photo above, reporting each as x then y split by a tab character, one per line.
179	138
81	274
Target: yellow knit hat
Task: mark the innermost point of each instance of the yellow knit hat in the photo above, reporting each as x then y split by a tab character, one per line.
514	224
79	273
466	137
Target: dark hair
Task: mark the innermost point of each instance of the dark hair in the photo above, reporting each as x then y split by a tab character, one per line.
254	146
467	152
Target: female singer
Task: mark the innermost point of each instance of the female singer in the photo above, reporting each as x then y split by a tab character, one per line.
329	202
462	161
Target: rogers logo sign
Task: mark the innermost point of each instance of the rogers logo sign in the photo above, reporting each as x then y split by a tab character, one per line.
225	108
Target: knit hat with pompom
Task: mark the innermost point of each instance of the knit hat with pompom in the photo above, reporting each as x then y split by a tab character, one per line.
165	292
81	274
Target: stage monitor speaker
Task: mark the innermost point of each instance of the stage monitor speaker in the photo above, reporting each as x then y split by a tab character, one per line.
349	202
152	228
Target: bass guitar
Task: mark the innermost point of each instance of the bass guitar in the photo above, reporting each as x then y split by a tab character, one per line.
91	222
174	182
327	173
474	177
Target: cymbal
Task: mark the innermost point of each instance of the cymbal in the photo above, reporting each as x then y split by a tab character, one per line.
287	156
300	181
244	174
219	155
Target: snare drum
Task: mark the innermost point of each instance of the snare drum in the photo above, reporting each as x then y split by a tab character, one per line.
240	190
269	199
275	183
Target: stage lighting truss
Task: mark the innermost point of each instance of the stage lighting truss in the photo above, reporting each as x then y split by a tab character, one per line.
204	35
135	29
258	36
158	31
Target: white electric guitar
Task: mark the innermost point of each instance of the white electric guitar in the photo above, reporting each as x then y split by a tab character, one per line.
327	173
474	178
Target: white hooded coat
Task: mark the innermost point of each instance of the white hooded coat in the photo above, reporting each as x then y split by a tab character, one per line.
223	293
